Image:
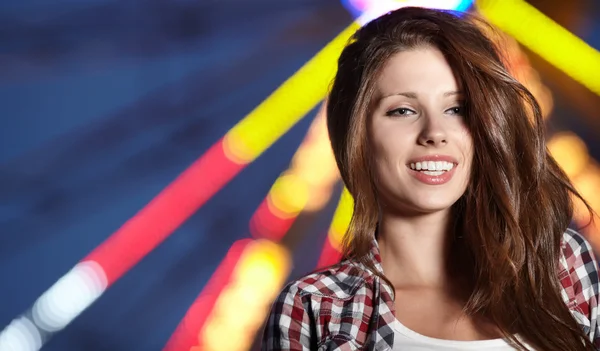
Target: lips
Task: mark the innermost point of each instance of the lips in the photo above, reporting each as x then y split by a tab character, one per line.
431	179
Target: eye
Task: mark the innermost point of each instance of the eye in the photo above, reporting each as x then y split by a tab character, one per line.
456	110
402	111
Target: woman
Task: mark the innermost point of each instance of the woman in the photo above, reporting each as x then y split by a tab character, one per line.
459	237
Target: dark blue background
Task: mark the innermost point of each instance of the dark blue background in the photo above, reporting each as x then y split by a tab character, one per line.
106	102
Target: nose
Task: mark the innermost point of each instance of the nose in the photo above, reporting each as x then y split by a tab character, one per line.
433	132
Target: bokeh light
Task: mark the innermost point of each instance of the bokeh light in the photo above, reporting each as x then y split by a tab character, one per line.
244	303
570	152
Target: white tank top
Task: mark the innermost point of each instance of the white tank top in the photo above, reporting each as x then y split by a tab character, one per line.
408	340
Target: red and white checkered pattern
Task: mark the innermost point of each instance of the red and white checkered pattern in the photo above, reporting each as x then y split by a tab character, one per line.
346	307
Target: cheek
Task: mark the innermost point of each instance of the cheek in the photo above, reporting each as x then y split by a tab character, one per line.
387	154
465	141
391	139
467	151
379	144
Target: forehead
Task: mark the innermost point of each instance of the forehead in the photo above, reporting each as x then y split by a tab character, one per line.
422	70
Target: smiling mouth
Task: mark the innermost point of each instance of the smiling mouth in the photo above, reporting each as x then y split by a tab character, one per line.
432	172
432	168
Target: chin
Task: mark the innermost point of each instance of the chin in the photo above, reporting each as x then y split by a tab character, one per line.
438	204
430	208
421	201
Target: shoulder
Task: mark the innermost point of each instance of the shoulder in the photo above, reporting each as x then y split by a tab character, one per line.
340	281
578	275
577	256
313	312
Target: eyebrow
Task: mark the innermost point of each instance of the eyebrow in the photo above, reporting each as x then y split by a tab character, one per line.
412	95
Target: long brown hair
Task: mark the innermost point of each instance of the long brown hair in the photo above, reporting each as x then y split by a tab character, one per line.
517	204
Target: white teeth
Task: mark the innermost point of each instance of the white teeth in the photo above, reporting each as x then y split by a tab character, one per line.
432	166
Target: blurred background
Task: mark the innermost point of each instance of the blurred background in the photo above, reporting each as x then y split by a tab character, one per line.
165	168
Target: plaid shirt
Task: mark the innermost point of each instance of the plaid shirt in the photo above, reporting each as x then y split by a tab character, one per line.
346	307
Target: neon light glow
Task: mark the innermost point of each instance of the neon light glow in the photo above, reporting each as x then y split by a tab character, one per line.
310	178
546	38
339	225
307	185
241	145
259	130
244	303
186	335
367	10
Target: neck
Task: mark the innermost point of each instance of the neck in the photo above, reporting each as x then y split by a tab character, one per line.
417	251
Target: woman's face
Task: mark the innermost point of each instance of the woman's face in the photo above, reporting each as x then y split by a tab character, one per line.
422	149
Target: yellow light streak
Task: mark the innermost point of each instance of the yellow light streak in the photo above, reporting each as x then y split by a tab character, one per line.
341	219
288	104
546	38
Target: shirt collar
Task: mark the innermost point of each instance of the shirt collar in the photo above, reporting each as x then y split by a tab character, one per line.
375	256
383	337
